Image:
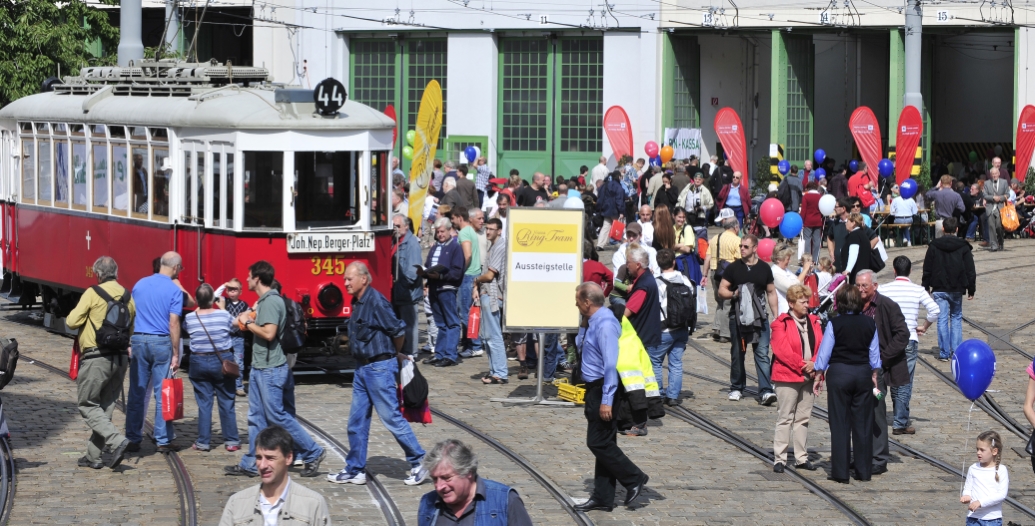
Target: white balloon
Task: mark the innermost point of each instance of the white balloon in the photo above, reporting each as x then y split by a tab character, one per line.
826	204
574	202
477	152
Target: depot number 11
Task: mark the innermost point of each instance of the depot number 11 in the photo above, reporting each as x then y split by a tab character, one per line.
328	266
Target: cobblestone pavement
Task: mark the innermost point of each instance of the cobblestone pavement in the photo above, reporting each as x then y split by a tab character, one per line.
695	478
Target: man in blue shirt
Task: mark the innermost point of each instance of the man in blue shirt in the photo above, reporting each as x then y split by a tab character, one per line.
376	339
598	338
155	347
407	286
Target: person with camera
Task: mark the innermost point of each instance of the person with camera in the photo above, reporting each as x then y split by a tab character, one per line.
697	200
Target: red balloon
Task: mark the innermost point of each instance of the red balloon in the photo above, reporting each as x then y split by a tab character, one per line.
651	149
771	212
765	249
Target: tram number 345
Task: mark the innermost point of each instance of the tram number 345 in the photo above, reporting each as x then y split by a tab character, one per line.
328	266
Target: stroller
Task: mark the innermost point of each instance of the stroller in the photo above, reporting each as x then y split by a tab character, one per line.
828	303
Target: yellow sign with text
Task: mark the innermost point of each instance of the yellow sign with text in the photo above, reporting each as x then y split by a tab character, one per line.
544	266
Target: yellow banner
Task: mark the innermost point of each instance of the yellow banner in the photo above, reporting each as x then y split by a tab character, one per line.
544	266
533	237
428	126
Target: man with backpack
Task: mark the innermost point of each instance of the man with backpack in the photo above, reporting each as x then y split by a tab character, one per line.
376	339
678	300
790	190
104	318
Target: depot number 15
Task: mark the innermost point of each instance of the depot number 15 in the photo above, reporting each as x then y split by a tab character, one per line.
328	266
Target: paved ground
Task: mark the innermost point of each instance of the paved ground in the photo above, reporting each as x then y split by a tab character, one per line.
695	478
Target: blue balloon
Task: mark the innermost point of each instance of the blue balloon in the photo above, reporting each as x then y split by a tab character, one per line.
886	167
820	155
853	165
655	161
867	220
791	225
908	188
784	167
819	173
470	153
973	365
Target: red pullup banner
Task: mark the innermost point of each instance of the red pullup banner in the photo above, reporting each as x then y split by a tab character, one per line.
866	132
390	111
619	131
907	137
1025	141
731	135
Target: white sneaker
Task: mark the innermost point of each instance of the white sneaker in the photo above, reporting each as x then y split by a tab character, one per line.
735	396
417	476
344	477
768	399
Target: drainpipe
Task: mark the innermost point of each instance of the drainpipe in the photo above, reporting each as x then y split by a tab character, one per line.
130	45
913	96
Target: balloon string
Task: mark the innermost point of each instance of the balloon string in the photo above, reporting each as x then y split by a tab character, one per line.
963	468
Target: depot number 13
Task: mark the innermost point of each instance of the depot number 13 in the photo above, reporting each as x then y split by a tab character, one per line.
328	266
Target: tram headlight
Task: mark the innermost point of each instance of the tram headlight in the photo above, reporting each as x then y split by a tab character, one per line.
330	298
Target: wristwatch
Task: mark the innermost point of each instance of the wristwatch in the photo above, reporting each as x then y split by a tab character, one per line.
248	322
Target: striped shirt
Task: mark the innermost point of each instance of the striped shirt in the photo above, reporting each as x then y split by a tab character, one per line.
909	296
217	322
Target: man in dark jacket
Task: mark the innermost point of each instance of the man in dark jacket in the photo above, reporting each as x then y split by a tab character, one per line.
838	184
444	272
893	334
467	190
948	272
610	205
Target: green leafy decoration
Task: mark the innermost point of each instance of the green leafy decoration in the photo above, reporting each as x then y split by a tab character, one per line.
36	36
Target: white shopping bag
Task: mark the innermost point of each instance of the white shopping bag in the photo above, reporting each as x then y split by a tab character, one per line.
702	300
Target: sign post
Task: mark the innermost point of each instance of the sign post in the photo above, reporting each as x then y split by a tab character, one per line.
544	266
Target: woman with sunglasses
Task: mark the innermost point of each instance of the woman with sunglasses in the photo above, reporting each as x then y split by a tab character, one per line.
234	305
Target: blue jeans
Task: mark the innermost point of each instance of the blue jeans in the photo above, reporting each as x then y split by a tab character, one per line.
239	358
974	521
266	406
738	212
552	355
151	358
407	313
950	321
465	302
904	221
374	387
491	328
972	227
443	308
763	367
206	375
902	394
673	343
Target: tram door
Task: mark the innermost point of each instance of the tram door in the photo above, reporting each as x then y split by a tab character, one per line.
8	172
192	212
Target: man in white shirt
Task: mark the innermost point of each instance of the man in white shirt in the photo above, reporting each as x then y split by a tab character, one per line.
599	173
634	234
277	497
909	297
645	222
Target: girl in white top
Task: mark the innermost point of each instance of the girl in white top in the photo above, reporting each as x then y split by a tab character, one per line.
988	482
783	278
825	274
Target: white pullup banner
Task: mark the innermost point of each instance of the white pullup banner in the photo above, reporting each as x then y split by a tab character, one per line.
685	142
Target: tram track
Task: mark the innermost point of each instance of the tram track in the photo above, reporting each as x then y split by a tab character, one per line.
393	517
822	413
7	480
184	484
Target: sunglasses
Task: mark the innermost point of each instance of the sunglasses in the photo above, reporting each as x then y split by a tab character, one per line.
233	289
746	246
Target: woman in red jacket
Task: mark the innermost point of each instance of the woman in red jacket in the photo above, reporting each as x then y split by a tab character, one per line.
812	220
795	340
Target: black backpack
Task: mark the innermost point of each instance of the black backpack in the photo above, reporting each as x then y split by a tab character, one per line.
415	394
681	309
786	192
293	338
8	360
114	333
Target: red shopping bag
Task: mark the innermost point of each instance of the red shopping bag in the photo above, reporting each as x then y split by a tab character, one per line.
474	322
617	230
812	282
172	399
73	367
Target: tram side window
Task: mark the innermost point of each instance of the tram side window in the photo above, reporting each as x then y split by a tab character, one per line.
28	171
120	177
199	176
45	172
229	190
263	190
188	192
138	180
380	188
100	178
217	187
80	174
61	173
160	184
327	189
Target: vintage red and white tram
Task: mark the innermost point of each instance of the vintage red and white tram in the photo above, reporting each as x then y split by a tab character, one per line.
205	159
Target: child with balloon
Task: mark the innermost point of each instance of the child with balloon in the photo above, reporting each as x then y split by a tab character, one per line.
903	206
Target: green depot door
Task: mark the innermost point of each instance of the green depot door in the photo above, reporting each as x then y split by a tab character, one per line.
525	99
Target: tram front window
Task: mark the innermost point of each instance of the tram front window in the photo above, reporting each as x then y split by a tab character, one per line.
263	190
327	189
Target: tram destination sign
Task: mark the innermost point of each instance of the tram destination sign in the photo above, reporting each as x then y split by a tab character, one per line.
329	243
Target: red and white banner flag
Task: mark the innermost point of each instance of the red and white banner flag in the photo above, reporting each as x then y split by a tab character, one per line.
1025	141
731	134
619	131
907	137
866	131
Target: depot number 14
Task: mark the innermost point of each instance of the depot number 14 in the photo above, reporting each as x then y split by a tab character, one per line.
328	266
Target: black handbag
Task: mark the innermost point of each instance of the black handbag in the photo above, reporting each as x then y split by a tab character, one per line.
230	368
1030	448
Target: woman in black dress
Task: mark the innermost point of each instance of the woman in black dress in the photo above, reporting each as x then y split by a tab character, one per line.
849	361
855	255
